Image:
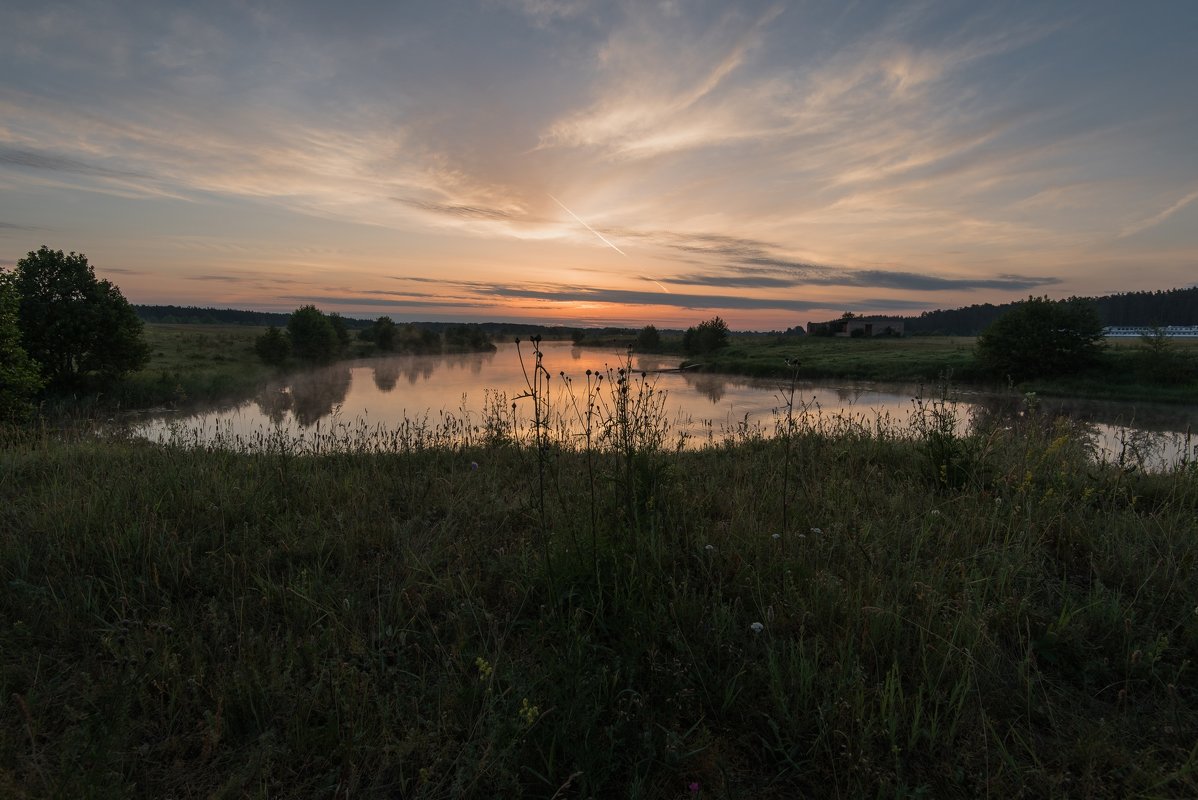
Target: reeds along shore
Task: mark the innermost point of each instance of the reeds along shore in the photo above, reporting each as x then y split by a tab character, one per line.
845	608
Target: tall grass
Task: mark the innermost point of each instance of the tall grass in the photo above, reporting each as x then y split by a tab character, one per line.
854	608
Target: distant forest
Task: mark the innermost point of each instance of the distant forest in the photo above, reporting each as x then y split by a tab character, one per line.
193	315
1171	307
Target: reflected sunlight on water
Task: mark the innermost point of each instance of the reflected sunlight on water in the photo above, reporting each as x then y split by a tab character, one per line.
458	396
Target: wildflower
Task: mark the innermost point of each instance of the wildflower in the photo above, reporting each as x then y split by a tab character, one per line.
776	536
757	627
694	788
935	512
529	713
817	531
709	548
484	668
473	465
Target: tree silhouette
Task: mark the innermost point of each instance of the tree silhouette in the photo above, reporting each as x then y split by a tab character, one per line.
19	376
73	324
1042	337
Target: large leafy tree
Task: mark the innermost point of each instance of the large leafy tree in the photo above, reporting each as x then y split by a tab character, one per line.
385	333
313	337
272	347
648	340
706	337
73	324
19	375
1041	338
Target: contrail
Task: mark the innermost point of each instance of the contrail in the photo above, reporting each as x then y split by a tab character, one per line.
602	238
660	286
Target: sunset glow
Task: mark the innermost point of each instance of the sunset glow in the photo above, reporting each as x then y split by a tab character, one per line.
604	163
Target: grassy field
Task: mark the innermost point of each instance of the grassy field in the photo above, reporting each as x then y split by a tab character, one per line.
845	610
1126	370
908	359
193	364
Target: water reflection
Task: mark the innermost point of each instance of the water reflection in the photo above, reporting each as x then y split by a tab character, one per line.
386	374
315	394
387	391
273	403
713	387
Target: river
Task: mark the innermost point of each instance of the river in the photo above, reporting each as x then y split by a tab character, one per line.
456	394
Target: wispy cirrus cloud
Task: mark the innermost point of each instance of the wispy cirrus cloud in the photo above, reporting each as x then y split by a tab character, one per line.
486	292
792	276
1157	219
53	162
781	153
741	263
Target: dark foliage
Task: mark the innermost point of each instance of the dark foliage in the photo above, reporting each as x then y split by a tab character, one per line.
73	324
312	335
272	347
1171	307
707	337
1042	338
469	338
19	375
341	329
648	340
383	333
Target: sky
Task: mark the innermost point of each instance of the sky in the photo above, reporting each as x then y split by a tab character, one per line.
602	162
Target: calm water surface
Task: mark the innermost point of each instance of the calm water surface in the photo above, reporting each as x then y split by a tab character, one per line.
382	393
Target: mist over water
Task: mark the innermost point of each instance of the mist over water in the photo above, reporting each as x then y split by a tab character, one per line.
459	392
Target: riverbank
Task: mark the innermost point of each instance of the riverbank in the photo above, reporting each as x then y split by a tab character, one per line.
848	609
200	365
1127	370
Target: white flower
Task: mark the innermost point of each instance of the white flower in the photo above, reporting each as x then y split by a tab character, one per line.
817	531
709	547
776	536
757	627
935	512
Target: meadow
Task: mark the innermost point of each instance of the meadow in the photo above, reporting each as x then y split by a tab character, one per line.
1128	369
192	365
845	608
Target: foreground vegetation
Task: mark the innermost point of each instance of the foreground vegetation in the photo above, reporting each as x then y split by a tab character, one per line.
846	609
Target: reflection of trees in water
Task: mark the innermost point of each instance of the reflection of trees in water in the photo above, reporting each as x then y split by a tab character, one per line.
419	370
386	374
990	410
714	387
273	403
470	361
847	394
313	394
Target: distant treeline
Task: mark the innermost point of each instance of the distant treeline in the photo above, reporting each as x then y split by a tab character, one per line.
193	315
1168	307
1171	307
499	331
